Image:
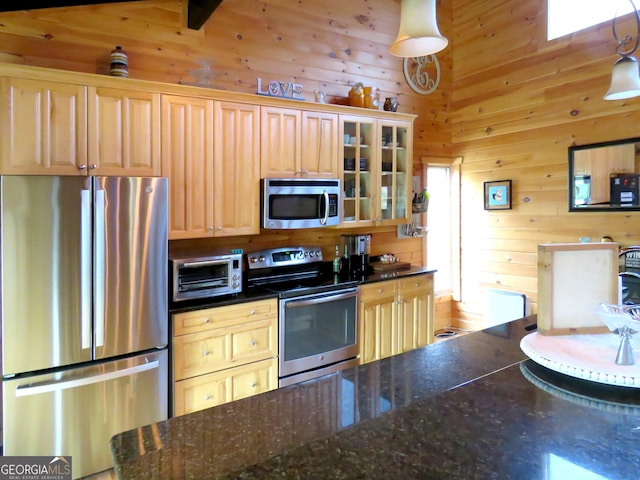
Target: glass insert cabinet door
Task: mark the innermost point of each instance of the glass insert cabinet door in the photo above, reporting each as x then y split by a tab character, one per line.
359	165
396	166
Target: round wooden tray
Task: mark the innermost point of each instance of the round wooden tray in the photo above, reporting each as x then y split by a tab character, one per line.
589	357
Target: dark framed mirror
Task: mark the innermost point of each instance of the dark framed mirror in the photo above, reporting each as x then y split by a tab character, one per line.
605	176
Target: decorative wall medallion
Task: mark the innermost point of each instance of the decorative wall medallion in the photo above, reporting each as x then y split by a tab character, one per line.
422	73
281	89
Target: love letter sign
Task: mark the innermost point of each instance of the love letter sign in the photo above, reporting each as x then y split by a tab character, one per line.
281	89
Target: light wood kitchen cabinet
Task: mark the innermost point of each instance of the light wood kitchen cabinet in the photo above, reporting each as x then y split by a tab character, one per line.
298	143
225	353
378	321
187	160
236	169
43	127
395	316
280	142
416	309
123	131
320	145
376	168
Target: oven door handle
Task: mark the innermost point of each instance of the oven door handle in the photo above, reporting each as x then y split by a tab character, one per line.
322	299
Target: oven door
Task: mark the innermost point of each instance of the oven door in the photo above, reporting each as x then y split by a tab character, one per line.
317	330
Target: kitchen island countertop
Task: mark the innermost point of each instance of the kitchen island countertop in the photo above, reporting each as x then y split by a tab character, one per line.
470	407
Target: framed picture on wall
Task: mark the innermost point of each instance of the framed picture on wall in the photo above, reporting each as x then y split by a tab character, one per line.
497	195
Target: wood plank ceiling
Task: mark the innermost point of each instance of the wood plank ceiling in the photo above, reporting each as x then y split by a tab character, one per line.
199	11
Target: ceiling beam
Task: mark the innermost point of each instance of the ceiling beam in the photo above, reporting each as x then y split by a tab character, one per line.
199	11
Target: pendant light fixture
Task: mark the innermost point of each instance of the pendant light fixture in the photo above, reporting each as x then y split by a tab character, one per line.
625	80
418	34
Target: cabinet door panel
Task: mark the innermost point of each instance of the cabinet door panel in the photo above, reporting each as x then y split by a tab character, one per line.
236	169
187	160
124	132
44	128
319	145
280	142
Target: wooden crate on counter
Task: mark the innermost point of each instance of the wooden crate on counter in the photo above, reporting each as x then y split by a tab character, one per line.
573	279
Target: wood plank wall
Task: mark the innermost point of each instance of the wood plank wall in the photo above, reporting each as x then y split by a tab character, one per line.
518	102
320	44
510	103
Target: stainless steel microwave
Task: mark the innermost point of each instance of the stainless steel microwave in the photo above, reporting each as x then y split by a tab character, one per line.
198	277
300	202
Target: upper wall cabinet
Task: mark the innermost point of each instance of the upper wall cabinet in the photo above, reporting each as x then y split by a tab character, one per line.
210	153
58	128
187	160
297	143
43	127
236	169
376	169
124	131
605	176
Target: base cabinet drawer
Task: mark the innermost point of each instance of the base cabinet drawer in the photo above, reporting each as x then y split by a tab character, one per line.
213	389
217	349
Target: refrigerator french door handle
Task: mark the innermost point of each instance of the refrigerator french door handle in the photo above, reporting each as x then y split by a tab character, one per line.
99	267
56	386
85	268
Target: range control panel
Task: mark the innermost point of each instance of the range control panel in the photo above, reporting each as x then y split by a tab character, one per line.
283	257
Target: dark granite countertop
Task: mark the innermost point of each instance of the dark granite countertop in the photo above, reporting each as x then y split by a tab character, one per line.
469	407
249	294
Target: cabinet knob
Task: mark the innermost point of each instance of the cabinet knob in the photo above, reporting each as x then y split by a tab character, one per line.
205	353
206	320
299	170
82	167
211	229
380	290
219	228
254	385
93	166
207	397
306	171
253	343
253	312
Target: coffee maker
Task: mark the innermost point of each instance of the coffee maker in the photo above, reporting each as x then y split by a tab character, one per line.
355	248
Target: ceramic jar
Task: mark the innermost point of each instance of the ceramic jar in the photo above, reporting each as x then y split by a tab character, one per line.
119	62
390	104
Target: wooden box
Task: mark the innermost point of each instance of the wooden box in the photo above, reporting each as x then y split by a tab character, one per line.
573	279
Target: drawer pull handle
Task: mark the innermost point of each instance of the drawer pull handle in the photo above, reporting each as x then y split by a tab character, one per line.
206	352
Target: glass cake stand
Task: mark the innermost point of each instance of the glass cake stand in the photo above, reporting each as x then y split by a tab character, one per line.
625	321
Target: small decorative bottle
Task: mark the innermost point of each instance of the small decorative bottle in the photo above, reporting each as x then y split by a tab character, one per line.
337	261
119	62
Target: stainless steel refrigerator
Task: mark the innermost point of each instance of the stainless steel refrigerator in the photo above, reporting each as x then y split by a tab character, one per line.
84	313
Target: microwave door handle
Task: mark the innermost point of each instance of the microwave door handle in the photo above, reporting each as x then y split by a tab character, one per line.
323	221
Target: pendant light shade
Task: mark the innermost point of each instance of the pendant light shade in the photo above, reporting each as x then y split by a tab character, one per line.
625	80
418	34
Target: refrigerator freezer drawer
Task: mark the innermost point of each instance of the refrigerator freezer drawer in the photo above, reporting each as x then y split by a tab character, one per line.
76	412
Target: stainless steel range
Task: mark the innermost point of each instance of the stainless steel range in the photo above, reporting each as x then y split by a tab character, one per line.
318	311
